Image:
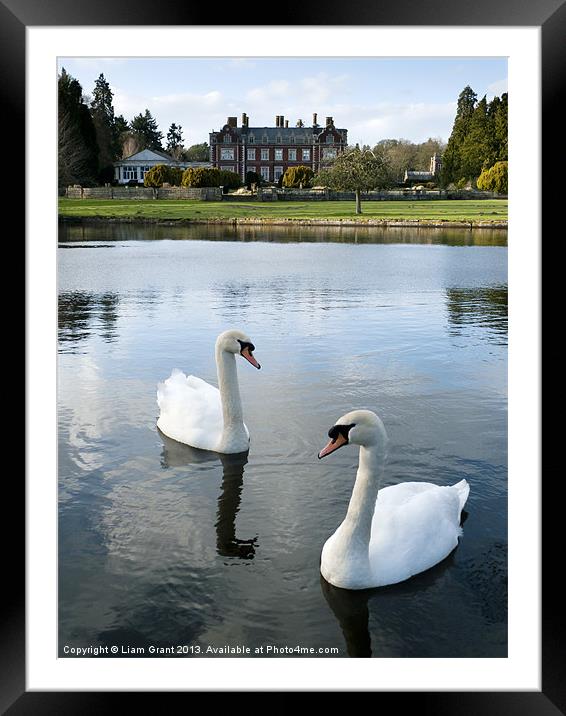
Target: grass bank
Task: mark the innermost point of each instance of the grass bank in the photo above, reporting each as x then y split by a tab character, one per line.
485	212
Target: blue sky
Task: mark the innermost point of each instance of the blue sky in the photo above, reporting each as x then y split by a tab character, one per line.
374	98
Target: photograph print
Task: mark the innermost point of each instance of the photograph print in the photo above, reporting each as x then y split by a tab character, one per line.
282	357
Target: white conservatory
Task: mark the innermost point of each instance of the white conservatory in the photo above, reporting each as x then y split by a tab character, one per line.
135	167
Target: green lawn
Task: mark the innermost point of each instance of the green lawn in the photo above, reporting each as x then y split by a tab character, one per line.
436	210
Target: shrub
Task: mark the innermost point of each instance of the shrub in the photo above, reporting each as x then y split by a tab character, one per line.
229	180
252	178
156	176
201	176
162	174
175	175
298	177
494	179
207	176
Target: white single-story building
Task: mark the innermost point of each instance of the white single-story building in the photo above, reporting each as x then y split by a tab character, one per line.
134	168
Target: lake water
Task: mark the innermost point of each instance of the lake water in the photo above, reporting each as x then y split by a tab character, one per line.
161	545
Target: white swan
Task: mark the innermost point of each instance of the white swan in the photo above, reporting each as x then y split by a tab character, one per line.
389	536
196	413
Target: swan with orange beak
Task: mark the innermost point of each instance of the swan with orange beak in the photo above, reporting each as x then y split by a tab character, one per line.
388	534
196	413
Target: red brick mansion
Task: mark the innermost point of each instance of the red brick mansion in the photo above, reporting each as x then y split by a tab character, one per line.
269	151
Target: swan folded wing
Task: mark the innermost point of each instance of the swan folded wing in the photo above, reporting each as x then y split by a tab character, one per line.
190	410
415	526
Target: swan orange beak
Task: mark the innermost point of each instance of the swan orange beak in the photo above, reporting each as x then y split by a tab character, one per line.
245	352
333	445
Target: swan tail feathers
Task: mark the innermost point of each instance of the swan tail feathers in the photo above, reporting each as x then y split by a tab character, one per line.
463	489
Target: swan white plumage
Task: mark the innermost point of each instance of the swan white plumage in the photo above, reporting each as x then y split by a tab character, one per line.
196	413
391	534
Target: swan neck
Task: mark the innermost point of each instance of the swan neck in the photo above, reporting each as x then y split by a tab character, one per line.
362	503
229	389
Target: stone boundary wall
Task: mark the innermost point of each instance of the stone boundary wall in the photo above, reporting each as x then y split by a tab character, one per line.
144	193
326	195
392	195
268	194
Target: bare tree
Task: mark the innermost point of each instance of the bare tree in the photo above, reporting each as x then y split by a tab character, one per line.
72	155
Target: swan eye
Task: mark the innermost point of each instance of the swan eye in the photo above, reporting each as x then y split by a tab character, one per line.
246	344
337	430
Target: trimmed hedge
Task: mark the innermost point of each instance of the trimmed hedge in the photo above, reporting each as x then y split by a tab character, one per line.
206	177
162	174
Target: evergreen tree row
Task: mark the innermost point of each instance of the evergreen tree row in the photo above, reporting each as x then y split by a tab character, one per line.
91	137
478	139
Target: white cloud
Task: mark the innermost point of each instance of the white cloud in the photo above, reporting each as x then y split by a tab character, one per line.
325	94
194	112
310	91
275	89
188	99
414	121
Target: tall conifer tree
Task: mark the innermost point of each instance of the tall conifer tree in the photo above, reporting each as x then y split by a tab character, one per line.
451	162
144	128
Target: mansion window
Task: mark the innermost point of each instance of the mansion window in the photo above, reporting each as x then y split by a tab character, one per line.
277	172
307	154
264	173
251	153
227	138
278	155
329	139
264	139
228	167
265	155
292	155
329	153
226	154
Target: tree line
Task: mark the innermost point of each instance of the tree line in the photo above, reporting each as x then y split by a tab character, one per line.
478	141
400	155
475	154
92	137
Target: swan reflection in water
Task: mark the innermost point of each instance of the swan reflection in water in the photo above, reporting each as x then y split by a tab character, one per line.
176	454
351	608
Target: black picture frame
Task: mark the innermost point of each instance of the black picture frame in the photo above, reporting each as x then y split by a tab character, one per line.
550	16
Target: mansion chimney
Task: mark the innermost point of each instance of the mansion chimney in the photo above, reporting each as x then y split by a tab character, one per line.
314	122
232	121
